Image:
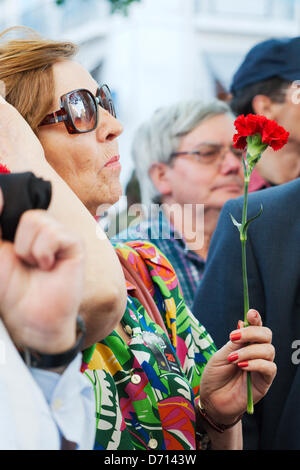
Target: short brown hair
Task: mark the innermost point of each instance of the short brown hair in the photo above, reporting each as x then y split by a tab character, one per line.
274	88
26	70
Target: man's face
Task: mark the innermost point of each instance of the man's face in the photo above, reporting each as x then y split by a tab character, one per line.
284	165
212	184
287	114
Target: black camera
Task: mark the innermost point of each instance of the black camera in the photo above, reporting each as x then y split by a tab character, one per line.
21	192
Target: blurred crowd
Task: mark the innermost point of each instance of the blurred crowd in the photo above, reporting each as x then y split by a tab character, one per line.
136	342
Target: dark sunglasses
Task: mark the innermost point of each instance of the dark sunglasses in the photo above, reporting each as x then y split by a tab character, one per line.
79	110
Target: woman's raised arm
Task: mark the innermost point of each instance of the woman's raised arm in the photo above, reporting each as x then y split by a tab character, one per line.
104	299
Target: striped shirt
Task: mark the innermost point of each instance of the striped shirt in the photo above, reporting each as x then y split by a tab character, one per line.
188	265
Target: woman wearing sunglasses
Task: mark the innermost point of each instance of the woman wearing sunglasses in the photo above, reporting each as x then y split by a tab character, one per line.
147	372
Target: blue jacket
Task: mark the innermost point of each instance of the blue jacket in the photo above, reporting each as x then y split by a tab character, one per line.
273	266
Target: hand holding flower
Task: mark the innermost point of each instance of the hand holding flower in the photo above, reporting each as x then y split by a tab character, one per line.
223	389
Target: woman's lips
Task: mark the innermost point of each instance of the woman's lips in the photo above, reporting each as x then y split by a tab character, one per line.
113	162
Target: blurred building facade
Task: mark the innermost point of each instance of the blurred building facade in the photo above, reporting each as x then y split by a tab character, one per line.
164	51
173	50
85	22
226	30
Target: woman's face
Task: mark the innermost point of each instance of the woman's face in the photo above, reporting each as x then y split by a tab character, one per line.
88	162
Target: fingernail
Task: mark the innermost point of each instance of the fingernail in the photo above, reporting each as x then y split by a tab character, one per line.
232	357
235	336
239	325
243	364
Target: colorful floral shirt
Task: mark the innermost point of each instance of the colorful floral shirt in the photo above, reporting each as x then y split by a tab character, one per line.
145	390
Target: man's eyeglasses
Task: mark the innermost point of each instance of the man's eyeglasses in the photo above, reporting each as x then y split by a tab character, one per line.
209	153
79	110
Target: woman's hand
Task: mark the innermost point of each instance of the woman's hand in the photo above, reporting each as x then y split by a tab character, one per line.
223	389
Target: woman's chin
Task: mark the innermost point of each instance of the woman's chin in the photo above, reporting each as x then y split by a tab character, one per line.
110	199
116	192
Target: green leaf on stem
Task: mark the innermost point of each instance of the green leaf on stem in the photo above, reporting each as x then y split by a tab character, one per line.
236	223
253	218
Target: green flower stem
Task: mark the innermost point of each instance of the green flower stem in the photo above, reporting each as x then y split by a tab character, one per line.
244	260
250	407
243	236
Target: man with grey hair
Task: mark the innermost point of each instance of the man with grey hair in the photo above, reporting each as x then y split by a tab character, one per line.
187	169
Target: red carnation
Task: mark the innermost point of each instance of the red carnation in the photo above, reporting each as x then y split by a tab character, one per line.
271	133
4	169
254	133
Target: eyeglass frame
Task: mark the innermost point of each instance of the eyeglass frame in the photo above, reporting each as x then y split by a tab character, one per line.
198	153
64	115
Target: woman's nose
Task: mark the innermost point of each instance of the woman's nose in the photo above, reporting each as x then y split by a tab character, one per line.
109	128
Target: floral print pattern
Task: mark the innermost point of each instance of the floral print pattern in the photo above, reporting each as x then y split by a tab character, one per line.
145	390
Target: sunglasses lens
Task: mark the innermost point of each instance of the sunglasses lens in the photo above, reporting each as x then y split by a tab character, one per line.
106	100
83	110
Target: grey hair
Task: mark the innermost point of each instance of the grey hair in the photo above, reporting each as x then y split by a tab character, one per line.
156	139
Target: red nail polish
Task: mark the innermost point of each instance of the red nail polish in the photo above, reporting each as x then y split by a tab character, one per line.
239	325
243	364
232	357
235	336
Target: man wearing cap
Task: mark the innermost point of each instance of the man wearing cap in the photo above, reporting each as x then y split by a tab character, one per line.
273	248
266	84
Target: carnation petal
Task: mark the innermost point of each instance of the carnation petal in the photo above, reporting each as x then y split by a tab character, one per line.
239	142
4	169
271	133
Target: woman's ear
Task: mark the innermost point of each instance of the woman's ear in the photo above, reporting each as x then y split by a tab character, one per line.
159	174
264	106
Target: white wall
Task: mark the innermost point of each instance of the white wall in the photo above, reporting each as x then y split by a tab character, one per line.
152	62
158	54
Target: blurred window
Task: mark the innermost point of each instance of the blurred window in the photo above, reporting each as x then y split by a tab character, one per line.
284	9
34	15
41	14
222	66
77	12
